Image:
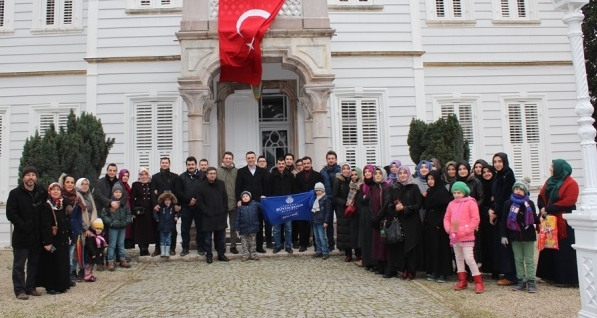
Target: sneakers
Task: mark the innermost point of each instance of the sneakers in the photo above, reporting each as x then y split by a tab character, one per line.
432	277
520	286
276	250
172	252
531	287
359	263
442	279
289	250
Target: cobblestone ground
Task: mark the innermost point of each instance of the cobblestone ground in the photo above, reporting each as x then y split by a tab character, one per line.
270	287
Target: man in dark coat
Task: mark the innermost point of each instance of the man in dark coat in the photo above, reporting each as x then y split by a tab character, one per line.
213	203
164	181
281	182
305	181
186	192
102	192
328	173
253	179
22	211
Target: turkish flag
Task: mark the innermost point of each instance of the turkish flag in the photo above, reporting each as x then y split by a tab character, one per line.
241	27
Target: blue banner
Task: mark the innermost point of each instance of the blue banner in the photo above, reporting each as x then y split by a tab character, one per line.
281	209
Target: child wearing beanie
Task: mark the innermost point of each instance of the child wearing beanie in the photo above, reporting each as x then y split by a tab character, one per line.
517	227
95	245
460	222
246	226
117	220
322	216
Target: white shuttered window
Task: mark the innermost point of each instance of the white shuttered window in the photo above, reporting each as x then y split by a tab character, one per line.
525	138
515	10
45	119
57	15
360	131
449	10
153	133
153	4
6	16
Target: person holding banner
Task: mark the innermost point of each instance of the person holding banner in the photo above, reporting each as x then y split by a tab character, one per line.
281	182
305	181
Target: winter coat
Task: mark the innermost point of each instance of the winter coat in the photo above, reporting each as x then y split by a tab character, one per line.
165	218
118	219
228	175
476	190
187	186
410	219
340	193
281	183
102	193
305	184
22	210
247	218
469	218
76	222
161	182
329	177
254	183
213	203
528	234
325	213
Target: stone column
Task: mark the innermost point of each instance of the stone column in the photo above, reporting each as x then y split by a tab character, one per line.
584	219
197	99
318	96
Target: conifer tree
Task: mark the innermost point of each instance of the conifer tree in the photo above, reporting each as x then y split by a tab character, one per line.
415	141
442	139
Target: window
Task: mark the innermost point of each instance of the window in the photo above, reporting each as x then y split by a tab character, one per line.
466	109
515	11
525	139
46	115
360	131
446	11
6	16
58	16
150	131
134	6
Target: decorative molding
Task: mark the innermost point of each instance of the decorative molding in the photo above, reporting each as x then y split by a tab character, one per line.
126	59
272	33
195	99
377	53
44	73
354	8
153	11
499	64
305	103
318	95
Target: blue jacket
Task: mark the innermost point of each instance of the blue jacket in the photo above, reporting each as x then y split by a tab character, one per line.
76	223
247	218
165	218
329	177
325	214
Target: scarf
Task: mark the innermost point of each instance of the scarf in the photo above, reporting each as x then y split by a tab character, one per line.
56	204
71	197
455	223
352	192
126	185
368	182
437	196
100	241
408	181
392	176
468	169
448	179
483	163
111	181
316	208
517	201
429	165
561	170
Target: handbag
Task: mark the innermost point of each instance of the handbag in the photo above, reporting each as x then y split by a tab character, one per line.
391	232
548	233
349	211
139	210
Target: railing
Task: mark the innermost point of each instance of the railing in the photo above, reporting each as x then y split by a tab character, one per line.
291	8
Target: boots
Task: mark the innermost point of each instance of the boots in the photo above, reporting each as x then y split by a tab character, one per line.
462	281
124	264
111	266
89	273
479	287
165	251
157	251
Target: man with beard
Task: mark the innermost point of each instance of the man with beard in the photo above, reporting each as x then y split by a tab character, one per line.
213	203
103	190
281	182
227	173
328	173
186	193
289	162
305	181
164	181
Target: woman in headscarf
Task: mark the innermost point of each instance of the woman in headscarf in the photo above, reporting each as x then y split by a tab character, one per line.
379	251
486	230
54	269
436	164
123	176
88	215
403	201
478	169
365	226
420	179
503	258
421	172
439	262
558	196
463	173
356	179
67	183
340	191
143	223
393	170
450	174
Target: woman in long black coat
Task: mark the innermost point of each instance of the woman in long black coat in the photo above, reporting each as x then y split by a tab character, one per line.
403	201
365	238
143	224
439	253
54	268
339	194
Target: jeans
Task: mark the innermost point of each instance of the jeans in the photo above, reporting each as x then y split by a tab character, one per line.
220	242
320	239
165	238
21	283
116	242
287	234
71	252
524	259
190	214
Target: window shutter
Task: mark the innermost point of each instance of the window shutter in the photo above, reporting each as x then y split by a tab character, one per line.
67	12
360	131
143	134
440	9
145	3
517	161
164	129
50	11
165	2
350	139
525	139
446	110
465	118
44	122
1	13
522	8
370	129
62	120
457	8
531	116
515	121
505	8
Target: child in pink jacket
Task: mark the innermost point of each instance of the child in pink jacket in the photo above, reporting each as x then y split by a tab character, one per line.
460	222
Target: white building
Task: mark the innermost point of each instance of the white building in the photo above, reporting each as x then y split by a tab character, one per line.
347	75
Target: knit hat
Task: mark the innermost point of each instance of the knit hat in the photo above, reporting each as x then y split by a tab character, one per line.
247	193
522	185
319	186
98	224
460	186
116	187
29	169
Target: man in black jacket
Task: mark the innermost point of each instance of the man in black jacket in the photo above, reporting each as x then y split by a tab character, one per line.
102	192
281	182
186	192
213	203
253	179
22	211
305	181
163	181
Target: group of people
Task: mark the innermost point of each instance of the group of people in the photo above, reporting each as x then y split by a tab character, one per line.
480	216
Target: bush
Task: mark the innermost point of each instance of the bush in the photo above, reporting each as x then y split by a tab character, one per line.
442	139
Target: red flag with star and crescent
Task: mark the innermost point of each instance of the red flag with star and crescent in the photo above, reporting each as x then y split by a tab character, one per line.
241	27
